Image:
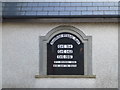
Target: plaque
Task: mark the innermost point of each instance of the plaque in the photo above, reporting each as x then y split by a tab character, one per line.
65	55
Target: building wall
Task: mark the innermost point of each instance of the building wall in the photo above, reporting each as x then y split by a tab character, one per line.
0	55
21	56
118	55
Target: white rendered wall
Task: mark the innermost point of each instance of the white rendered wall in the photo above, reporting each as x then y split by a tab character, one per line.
0	57
21	56
0	46
60	0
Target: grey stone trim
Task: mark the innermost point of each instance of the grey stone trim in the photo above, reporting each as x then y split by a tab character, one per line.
66	76
87	40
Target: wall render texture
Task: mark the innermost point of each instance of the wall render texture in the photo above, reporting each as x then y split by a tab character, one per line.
21	56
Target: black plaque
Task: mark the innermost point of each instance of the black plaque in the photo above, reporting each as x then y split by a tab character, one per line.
65	55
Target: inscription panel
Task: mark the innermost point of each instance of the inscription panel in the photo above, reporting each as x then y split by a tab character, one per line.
65	55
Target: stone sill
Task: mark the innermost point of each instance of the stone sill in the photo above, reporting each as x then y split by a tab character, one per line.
65	76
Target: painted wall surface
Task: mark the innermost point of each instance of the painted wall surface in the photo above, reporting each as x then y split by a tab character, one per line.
60	0
21	56
0	46
0	57
118	56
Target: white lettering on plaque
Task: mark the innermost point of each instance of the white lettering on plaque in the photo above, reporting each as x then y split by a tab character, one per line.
65	61
65	46
65	51
64	65
67	36
64	56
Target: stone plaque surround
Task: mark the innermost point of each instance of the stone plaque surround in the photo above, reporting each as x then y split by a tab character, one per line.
87	40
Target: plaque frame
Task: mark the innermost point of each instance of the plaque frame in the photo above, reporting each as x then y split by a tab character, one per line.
43	40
